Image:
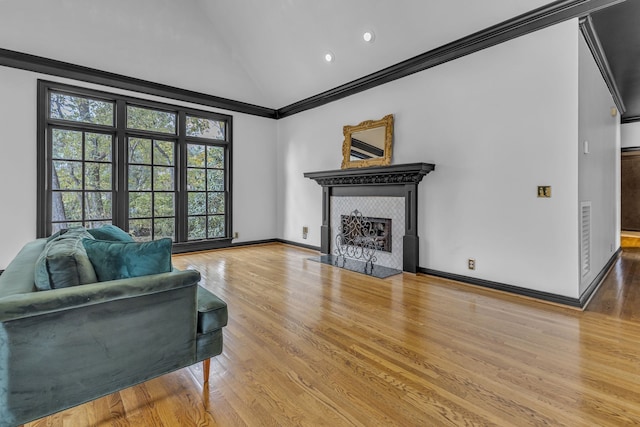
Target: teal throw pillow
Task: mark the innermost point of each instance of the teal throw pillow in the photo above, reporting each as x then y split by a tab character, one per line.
110	232
64	262
121	260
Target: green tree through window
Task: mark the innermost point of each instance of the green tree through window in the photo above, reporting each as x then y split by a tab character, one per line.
153	169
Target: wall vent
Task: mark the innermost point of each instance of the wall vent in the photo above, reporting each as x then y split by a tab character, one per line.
585	238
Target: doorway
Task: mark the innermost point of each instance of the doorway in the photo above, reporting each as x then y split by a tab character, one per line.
630	197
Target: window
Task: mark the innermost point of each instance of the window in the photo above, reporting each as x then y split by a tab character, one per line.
152	169
152	188
206	195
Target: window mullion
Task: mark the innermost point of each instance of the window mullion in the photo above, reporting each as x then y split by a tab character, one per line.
181	180
228	164
121	200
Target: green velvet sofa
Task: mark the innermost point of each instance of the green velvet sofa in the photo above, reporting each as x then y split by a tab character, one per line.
62	347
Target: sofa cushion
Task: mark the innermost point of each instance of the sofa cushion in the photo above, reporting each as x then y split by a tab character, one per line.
212	311
64	262
121	260
111	233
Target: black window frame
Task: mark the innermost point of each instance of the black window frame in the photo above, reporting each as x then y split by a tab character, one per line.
121	135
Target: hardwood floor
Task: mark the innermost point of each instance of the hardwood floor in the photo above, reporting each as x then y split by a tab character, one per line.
309	344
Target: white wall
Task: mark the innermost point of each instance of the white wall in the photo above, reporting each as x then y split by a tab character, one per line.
630	135
254	161
599	168
496	123
17	161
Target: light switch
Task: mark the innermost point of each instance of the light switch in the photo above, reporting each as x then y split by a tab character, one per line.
544	191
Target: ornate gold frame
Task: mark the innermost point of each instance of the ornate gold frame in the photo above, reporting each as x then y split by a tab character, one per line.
387	122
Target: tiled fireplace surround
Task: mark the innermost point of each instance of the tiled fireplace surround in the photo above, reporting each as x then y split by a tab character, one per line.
376	207
381	191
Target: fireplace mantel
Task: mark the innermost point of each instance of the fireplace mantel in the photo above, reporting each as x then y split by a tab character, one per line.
395	180
411	173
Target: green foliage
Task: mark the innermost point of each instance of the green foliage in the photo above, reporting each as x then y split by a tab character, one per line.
140	151
98	147
216	203
66	144
139	178
197	227
205	128
98	205
195	155
139	204
151	120
216	226
163	153
215	157
215	180
164	204
196	180
80	109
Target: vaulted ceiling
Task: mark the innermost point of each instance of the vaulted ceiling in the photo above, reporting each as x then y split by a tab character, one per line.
266	53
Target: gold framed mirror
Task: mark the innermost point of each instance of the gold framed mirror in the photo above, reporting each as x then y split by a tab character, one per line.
368	144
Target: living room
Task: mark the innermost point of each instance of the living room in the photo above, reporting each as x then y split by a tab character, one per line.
497	122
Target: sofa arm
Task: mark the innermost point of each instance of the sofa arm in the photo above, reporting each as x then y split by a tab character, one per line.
32	304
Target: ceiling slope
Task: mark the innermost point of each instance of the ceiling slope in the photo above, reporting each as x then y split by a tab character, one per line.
618	29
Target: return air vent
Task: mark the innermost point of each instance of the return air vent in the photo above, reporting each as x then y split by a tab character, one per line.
585	238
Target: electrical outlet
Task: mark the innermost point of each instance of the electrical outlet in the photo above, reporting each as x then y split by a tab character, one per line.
236	235
305	231
471	263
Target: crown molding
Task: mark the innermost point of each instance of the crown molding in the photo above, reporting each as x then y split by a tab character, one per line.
39	64
593	41
537	19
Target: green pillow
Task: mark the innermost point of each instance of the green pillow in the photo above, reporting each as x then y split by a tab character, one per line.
121	260
64	262
111	233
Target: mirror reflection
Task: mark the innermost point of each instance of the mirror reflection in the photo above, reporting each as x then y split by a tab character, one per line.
368	144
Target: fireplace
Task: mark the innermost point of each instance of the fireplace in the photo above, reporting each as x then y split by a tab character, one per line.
390	210
378	230
399	183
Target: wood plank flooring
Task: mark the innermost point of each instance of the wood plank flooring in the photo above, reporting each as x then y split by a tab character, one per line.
312	345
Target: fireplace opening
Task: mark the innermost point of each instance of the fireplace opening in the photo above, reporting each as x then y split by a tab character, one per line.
379	229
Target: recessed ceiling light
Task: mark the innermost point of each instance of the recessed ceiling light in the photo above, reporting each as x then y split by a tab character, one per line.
329	57
368	36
